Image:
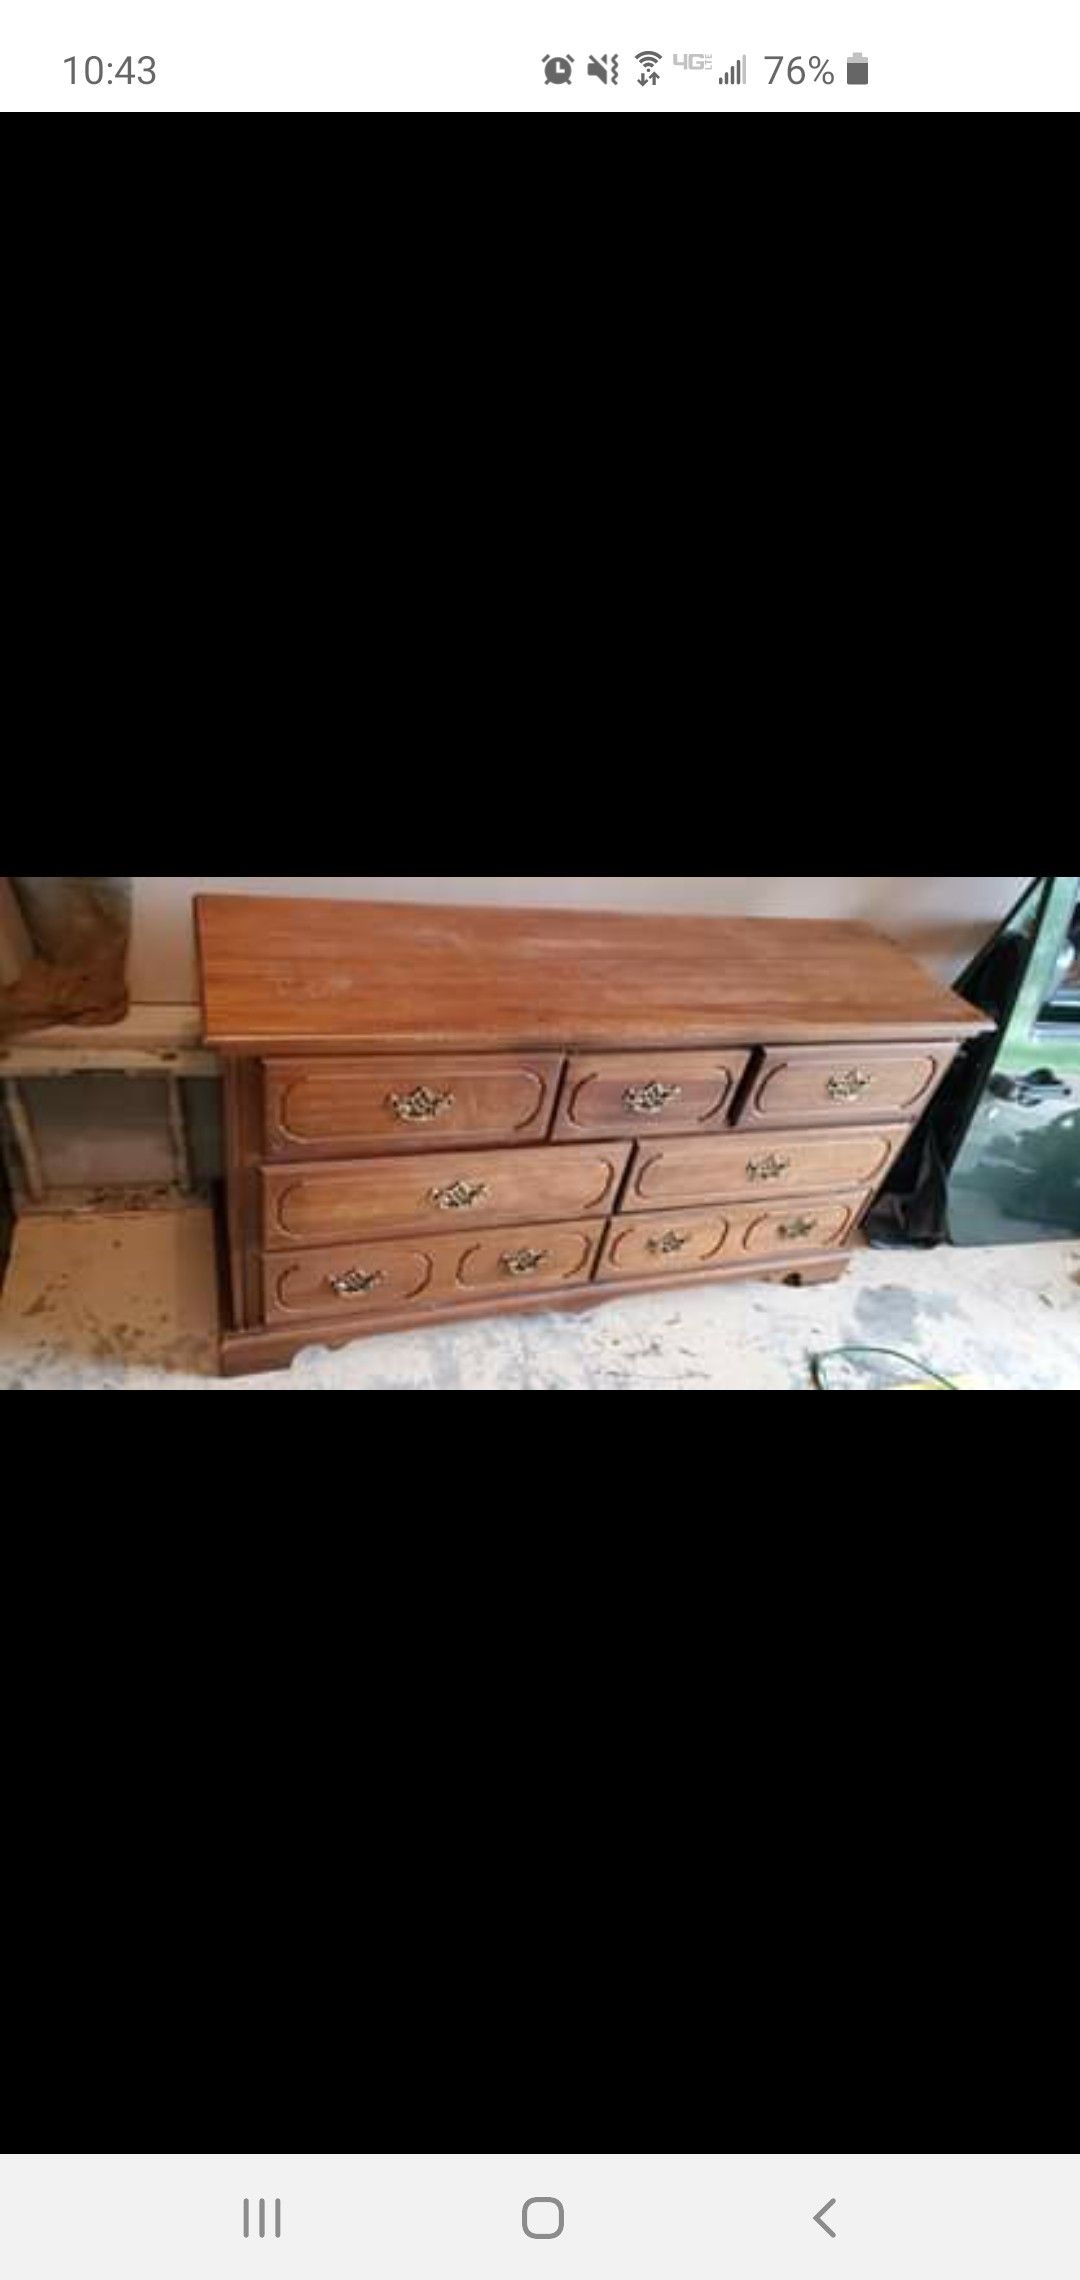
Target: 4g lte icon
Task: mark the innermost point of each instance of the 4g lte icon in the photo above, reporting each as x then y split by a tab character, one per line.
692	62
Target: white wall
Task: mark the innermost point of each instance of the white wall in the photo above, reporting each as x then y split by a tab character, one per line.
941	919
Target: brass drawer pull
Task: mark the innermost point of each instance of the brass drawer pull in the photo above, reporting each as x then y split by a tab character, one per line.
768	1167
662	1246
463	1196
794	1230
650	1100
357	1284
522	1262
421	1106
851	1086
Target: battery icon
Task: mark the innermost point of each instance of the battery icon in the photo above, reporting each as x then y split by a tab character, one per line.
858	70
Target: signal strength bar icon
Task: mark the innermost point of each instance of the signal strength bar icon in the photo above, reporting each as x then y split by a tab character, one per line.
738	76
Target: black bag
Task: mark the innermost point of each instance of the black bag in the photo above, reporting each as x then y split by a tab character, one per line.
913	1207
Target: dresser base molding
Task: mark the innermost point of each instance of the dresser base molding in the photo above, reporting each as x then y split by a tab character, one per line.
245	1352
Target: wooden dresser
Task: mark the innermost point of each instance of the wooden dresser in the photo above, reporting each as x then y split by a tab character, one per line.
434	1114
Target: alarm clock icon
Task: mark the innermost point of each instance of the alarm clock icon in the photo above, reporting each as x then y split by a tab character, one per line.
558	70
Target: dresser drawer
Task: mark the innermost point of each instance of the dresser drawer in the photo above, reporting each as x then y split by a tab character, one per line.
687	1243
370	1107
407	1195
613	1094
686	1172
785	1230
361	1279
803	1084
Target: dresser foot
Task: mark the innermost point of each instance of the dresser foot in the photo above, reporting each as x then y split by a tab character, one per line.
833	1272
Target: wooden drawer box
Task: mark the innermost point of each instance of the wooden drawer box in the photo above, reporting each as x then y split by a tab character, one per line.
437	1113
437	1270
367	1107
682	1173
801	1085
405	1195
611	1095
688	1243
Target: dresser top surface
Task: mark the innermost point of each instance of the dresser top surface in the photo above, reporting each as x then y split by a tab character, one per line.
340	976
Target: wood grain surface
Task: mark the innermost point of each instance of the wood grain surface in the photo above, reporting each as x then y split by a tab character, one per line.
804	1086
426	1270
388	977
687	1172
689	1242
612	1093
370	1106
433	1195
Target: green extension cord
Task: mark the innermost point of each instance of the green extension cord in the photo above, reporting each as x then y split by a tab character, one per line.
840	1353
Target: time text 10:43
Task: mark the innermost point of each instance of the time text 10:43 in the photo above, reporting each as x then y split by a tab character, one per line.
142	72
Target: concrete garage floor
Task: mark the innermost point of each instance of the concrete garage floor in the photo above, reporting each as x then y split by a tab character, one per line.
129	1302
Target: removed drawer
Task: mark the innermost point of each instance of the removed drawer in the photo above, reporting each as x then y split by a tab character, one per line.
612	1094
806	1084
380	1278
689	1243
405	1195
368	1107
687	1172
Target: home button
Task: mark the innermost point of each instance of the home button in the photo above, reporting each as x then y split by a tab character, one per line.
543	2232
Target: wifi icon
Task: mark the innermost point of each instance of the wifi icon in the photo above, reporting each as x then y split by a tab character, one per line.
648	59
